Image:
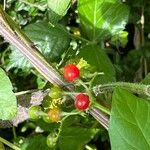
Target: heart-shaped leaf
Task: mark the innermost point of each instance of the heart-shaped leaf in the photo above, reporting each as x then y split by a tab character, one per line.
129	122
100	18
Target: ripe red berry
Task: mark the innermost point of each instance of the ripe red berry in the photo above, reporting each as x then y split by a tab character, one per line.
82	101
71	72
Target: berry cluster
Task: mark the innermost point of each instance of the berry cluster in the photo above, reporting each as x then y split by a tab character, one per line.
71	73
50	110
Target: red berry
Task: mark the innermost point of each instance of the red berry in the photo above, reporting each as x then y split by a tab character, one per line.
71	72
82	101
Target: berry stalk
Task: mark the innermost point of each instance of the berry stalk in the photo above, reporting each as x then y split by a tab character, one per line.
14	147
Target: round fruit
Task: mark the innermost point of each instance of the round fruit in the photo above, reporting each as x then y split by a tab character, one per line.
34	112
46	117
71	72
54	114
55	92
82	101
51	140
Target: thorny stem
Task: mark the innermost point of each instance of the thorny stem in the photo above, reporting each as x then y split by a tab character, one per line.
9	144
133	87
100	117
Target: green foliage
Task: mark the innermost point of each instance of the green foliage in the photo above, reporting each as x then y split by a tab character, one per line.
58	9
95	56
129	122
49	127
8	102
92	35
77	136
121	37
35	142
26	11
98	17
51	41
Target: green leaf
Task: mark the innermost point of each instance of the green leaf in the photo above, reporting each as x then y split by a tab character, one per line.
35	142
58	8
74	137
77	137
47	126
121	37
17	59
129	122
96	57
100	18
40	83
51	41
8	102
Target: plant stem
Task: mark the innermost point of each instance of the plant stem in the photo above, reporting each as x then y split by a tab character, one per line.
41	113
72	93
133	87
66	114
14	132
25	92
100	117
102	108
9	144
83	84
88	147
